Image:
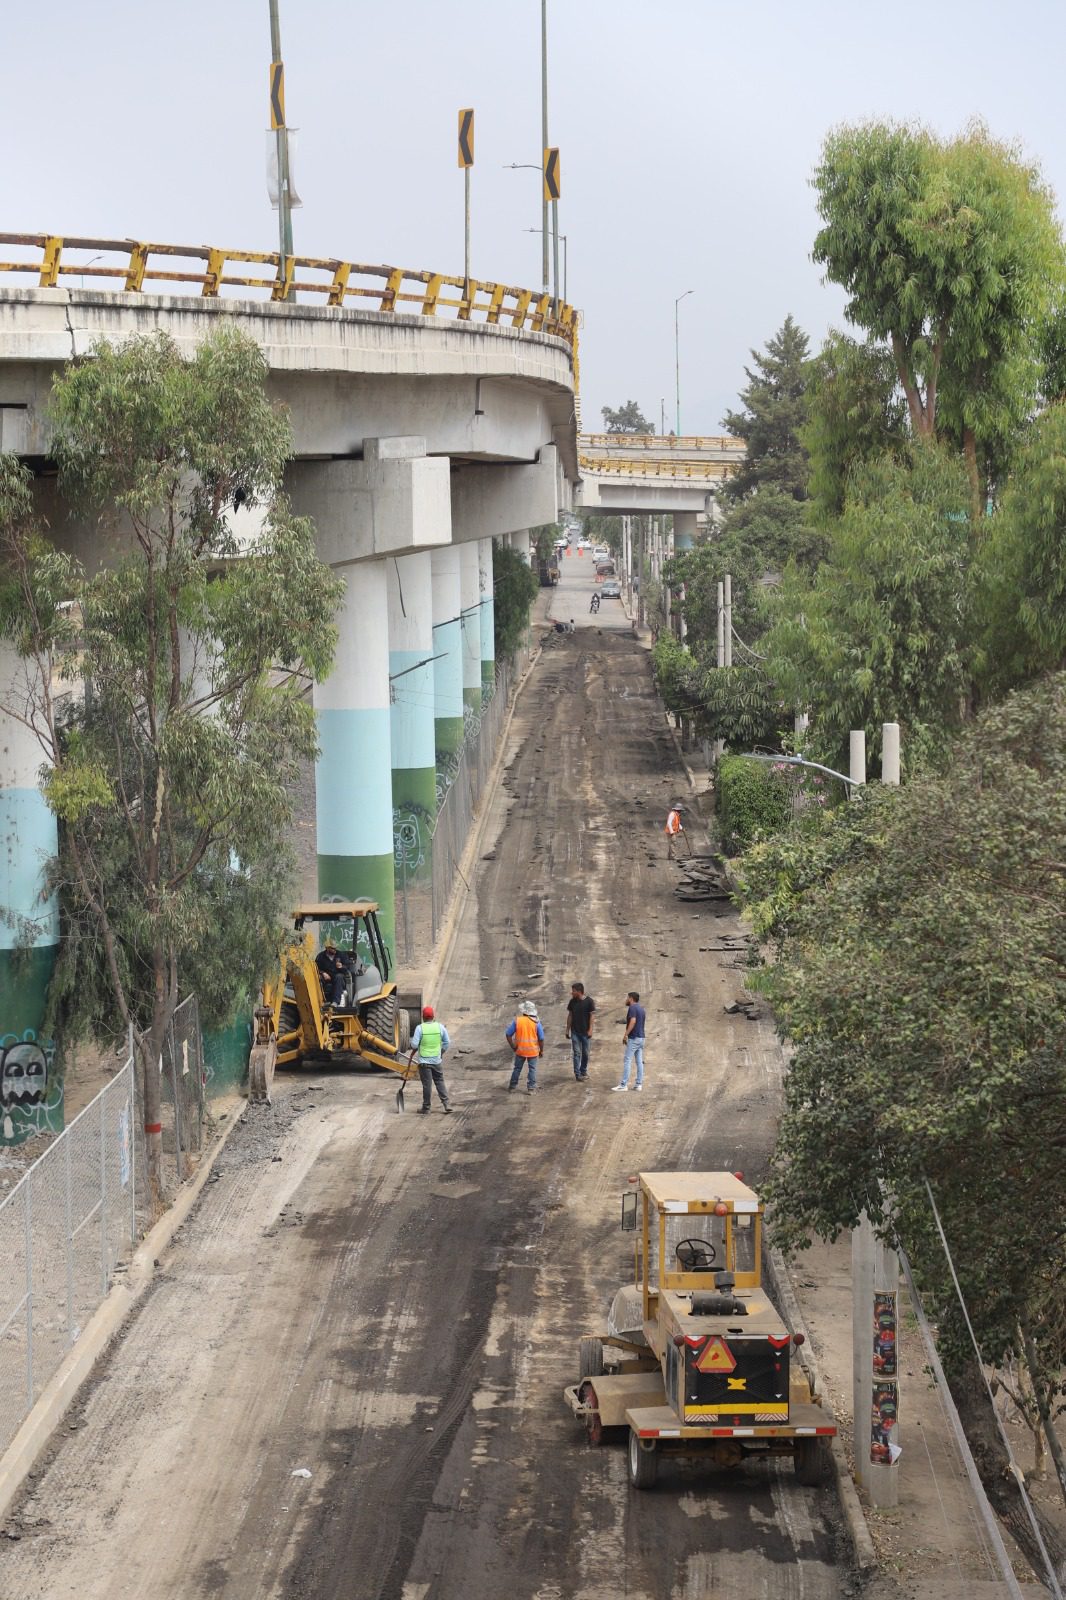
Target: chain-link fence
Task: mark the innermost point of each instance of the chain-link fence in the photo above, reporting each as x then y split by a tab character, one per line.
63	1228
182	1088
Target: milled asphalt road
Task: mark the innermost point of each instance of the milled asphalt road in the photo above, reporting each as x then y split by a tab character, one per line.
393	1304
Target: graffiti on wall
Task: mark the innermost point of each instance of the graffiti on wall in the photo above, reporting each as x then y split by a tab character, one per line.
31	1096
411	826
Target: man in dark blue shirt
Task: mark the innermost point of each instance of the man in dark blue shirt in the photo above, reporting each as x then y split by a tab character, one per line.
634	1042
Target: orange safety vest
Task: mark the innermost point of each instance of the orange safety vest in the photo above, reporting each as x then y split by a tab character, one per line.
526	1042
673	822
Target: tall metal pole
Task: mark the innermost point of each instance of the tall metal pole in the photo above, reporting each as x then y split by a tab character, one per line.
677	362
555	253
282	137
466	251
544	131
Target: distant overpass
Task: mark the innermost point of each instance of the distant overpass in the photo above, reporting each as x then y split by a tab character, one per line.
634	473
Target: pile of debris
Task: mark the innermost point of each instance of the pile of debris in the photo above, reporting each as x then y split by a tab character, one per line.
703	877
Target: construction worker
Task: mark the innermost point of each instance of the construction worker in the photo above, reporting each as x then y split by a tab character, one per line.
674	830
429	1041
526	1038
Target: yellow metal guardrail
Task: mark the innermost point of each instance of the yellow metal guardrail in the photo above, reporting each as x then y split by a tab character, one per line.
137	266
656	443
612	467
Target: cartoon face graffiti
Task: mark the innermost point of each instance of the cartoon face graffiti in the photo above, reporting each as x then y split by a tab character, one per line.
23	1075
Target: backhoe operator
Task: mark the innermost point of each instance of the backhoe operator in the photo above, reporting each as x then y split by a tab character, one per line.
334	966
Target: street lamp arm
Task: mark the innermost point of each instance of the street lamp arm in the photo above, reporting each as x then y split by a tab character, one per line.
798	761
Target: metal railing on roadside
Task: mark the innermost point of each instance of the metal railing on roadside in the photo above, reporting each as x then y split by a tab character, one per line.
611	466
133	266
658	442
64	1228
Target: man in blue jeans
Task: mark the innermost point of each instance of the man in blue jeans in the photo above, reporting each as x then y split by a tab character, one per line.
634	1043
579	1014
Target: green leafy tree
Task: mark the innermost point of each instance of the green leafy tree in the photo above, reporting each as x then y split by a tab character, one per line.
920	972
627	418
856	415
514	586
1022	564
168	773
883	631
773	413
950	252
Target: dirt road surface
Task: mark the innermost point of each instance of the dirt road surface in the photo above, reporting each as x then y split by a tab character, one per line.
346	1380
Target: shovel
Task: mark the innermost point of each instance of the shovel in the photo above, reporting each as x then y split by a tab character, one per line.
403	1086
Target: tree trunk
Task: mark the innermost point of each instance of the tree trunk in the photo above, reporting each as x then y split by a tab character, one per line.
1001	1486
969	449
1040	1396
147	1052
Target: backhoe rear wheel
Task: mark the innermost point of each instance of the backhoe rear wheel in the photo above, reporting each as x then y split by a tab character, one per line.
382	1021
288	1018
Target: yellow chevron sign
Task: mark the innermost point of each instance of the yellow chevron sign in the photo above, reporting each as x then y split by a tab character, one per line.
551	174
277	95
466	138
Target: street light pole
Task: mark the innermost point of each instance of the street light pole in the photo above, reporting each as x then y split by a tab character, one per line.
677	361
562	238
544	133
282	137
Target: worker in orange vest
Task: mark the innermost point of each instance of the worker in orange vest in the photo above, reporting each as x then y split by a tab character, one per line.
526	1038
675	831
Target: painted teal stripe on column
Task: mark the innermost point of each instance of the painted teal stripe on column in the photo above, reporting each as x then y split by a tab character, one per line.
353	783
28	839
448	670
412	710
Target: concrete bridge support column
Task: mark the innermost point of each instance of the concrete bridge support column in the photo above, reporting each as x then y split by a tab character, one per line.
353	779
448	648
684	530
414	768
520	542
29	924
470	590
488	627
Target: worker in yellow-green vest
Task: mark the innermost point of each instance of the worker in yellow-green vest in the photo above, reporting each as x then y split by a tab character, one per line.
429	1042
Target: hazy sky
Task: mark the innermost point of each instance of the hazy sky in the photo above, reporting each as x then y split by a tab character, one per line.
688	131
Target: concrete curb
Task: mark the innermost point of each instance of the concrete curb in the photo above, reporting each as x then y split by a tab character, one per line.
862	1545
464	887
62	1388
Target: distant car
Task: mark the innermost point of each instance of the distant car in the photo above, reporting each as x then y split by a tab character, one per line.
611	590
584	544
602	553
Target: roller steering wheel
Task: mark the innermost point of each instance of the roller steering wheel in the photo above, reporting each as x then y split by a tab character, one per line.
695	1255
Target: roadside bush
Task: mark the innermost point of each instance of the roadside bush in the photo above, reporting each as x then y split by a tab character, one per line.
750	799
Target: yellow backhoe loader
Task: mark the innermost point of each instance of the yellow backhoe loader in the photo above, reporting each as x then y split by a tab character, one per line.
297	1023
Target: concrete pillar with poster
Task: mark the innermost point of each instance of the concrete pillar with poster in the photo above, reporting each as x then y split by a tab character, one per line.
875	1316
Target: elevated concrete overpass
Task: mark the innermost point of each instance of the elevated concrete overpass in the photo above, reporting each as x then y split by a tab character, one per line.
633	474
430	417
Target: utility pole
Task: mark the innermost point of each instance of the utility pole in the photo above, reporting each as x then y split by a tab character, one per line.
875	1308
727	622
544	132
281	134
